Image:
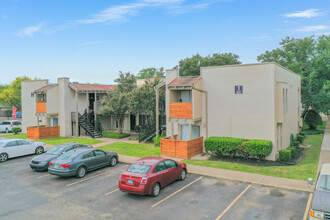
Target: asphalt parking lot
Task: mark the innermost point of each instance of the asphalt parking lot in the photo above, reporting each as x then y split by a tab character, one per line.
26	194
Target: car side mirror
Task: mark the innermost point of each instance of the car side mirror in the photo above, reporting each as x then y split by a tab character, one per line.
310	181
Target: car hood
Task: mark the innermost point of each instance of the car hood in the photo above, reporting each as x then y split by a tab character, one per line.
321	200
45	157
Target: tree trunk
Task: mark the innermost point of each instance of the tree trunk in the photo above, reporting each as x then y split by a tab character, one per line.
120	127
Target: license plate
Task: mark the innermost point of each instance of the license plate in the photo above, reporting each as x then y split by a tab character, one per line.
130	181
56	166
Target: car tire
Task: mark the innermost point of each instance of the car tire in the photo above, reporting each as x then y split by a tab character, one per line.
155	190
3	157
39	150
183	174
7	131
81	172
113	161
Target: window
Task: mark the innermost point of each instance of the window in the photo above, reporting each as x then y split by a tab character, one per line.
55	150
32	95
88	155
12	144
324	182
185	96
195	131
16	123
99	153
139	168
68	156
160	167
78	146
169	164
23	142
53	122
286	100
283	101
68	148
5	123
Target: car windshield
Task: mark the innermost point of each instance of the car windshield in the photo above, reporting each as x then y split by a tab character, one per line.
55	150
68	156
139	168
324	183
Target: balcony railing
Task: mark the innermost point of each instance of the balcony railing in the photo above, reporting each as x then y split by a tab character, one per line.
181	110
41	107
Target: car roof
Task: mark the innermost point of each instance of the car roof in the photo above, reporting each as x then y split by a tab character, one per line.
10	120
325	169
66	144
10	139
149	160
81	150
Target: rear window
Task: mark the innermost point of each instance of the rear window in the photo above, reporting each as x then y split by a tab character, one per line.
55	150
139	168
16	123
324	183
6	123
68	156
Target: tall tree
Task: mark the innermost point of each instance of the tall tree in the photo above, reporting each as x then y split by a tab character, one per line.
152	72
310	58
190	66
116	103
11	96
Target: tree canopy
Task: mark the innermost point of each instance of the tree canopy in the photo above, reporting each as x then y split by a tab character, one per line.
190	66
310	58
152	72
11	95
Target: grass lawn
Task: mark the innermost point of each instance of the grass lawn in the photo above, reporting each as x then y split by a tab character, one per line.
137	150
61	140
108	134
18	136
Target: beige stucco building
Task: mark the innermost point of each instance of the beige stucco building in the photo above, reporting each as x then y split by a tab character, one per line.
254	101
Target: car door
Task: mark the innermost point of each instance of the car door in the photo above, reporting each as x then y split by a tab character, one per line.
26	147
101	158
88	159
1	127
172	170
11	148
162	174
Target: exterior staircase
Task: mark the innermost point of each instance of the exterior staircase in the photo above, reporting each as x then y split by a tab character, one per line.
88	123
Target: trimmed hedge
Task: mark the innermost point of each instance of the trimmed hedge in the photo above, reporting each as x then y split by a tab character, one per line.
296	143
293	150
156	141
15	130
300	138
285	155
232	146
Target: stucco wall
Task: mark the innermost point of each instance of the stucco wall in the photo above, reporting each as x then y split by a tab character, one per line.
171	128
52	100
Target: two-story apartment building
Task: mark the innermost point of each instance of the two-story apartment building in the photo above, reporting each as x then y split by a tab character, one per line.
254	101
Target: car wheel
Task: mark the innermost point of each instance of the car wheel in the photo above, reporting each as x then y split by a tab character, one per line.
81	172
7	131
113	161
155	190
39	150
3	157
183	174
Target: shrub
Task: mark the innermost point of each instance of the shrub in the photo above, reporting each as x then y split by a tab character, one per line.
156	141
16	130
258	148
296	143
312	119
223	145
311	132
285	155
293	150
300	138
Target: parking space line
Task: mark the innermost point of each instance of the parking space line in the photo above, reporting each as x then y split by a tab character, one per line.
233	202
111	192
176	192
83	180
21	169
43	176
8	164
307	206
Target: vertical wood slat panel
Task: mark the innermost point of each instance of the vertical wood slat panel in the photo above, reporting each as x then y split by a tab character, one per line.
181	110
41	107
181	149
43	132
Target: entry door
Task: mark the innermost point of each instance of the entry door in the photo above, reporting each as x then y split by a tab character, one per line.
185	132
133	122
91	101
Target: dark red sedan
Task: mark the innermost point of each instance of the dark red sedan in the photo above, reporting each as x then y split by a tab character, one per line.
148	175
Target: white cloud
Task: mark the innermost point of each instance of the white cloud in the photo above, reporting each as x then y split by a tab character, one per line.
120	13
305	14
30	31
313	28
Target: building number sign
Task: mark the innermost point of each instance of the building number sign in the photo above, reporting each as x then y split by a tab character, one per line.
239	89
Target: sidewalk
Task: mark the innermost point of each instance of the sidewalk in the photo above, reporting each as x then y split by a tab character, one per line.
325	149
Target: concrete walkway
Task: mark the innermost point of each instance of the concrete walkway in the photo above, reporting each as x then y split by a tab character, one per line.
325	149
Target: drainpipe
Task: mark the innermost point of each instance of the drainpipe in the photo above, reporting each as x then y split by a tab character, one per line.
206	114
157	112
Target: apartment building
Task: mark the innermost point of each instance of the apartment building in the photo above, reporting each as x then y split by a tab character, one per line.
254	101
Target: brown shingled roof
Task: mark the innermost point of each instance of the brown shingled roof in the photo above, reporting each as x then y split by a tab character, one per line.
86	87
45	88
184	81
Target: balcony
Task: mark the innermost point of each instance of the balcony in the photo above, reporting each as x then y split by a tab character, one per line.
41	107
181	110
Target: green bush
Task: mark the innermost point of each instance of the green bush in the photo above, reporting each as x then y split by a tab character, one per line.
311	132
156	141
285	155
16	130
312	119
300	138
293	150
223	145
116	135
296	143
258	148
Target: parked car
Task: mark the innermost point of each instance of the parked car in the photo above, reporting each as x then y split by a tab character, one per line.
17	147
41	162
1	138
320	207
79	161
6	126
148	175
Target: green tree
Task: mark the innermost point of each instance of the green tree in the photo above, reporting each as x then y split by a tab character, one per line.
310	58
116	103
312	119
11	96
190	66
152	72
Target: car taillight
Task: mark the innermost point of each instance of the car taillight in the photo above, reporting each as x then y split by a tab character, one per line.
50	163
65	165
144	180
11	125
120	179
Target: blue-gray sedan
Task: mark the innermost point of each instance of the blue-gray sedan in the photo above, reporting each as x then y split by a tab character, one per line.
79	161
41	162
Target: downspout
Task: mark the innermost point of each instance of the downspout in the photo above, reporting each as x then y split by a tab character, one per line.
206	114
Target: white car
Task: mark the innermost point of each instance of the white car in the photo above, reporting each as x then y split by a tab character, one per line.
6	126
17	147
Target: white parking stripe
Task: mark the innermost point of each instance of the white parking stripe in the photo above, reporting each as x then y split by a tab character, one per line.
21	169
111	192
83	180
233	202
176	192
43	176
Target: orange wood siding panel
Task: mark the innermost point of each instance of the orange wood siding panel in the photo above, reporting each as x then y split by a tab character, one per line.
41	107
181	149
43	132
181	110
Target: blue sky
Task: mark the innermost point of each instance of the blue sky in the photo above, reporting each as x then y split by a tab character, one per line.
90	41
